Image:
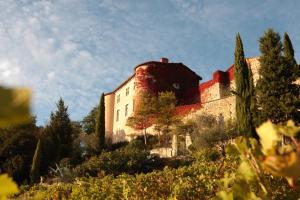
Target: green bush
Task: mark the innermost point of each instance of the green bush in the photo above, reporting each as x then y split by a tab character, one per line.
114	146
17	145
193	182
207	131
207	154
196	181
131	159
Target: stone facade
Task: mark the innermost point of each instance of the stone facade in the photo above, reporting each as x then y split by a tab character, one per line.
150	77
216	98
212	97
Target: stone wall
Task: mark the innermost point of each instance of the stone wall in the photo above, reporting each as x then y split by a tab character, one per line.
216	98
222	108
215	94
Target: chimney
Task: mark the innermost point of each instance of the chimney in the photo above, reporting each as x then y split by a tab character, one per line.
164	60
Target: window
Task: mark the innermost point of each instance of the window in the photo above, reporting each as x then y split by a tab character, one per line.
134	85
127	91
118	98
176	86
126	110
118	113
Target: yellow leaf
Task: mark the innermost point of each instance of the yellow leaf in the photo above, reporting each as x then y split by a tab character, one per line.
223	195
14	106
268	137
287	165
246	171
7	186
263	188
290	129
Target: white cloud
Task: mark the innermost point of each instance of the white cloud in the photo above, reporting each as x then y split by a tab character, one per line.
51	75
53	47
77	49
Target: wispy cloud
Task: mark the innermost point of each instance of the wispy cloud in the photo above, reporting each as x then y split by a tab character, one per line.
77	49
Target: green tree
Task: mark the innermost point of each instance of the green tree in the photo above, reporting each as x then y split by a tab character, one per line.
291	63
89	121
143	115
253	105
35	167
17	144
165	118
288	50
243	96
60	131
277	94
14	109
100	123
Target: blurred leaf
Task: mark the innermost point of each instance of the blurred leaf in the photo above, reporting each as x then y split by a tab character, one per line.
222	195
255	147
287	165
232	150
246	172
268	137
263	189
241	144
253	196
14	106
7	186
290	129
228	179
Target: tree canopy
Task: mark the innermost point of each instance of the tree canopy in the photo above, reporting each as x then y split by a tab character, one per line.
276	91
242	91
100	123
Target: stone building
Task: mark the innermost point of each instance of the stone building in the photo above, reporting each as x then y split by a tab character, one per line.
212	97
151	77
216	98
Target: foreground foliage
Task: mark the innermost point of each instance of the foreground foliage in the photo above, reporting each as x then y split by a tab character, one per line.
278	155
17	146
248	171
8	186
197	181
14	109
193	182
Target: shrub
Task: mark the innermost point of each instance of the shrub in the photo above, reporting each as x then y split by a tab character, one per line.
114	146
17	145
207	131
207	154
192	182
138	142
196	181
132	158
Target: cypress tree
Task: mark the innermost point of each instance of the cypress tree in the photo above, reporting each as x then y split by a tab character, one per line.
294	73
275	89
60	130
288	52
35	167
100	123
288	49
253	106
243	100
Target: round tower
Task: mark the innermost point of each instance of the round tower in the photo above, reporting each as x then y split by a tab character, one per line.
143	83
158	76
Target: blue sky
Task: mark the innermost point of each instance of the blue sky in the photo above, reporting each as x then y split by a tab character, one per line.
77	49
